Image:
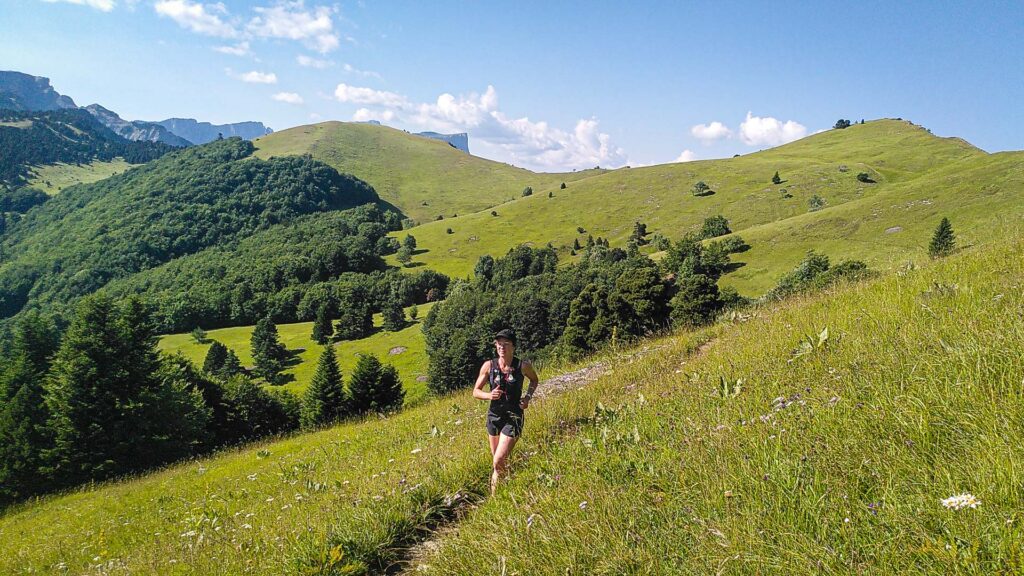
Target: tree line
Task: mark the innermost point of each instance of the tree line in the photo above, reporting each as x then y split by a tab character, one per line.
99	401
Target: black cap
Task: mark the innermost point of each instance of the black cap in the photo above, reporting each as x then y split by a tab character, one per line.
506	333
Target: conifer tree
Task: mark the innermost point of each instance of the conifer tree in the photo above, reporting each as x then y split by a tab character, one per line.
215	358
232	365
322	327
113	408
324	401
23	413
374	387
943	240
776	179
355	321
267	351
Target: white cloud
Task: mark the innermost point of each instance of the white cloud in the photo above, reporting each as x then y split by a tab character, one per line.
758	131
240	49
686	156
364	114
708	133
520	141
359	95
292	21
254	77
197	17
308	62
101	5
353	70
288	97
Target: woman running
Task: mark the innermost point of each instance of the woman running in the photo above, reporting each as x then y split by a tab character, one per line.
505	374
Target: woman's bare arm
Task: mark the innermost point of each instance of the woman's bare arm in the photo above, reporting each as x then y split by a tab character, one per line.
530	373
478	388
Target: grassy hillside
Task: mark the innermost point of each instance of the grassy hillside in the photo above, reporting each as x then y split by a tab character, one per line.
411	363
421	176
52	178
899	156
752	453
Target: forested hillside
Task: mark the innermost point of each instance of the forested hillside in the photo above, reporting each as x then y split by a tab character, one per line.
175	206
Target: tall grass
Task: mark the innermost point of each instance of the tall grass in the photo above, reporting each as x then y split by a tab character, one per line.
766	456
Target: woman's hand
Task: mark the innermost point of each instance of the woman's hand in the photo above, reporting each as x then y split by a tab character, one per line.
496	393
524	403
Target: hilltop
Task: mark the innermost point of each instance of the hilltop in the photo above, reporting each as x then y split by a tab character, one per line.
909	167
423	177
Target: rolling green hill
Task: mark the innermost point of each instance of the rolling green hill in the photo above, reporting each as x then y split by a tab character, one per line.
422	177
906	162
820	435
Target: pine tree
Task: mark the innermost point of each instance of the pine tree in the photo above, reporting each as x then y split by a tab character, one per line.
232	365
394	316
943	240
324	401
355	321
215	358
267	351
374	387
23	413
414	313
113	407
322	327
776	179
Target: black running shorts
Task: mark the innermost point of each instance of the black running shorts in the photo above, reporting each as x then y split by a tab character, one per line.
509	423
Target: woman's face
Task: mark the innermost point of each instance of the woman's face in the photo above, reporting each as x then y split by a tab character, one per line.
504	346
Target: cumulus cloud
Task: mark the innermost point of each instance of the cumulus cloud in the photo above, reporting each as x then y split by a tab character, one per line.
288	97
240	49
360	95
292	21
708	133
101	5
758	131
199	18
254	77
364	114
353	70
521	141
308	62
686	156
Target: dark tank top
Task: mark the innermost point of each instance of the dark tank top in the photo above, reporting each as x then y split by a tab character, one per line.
511	385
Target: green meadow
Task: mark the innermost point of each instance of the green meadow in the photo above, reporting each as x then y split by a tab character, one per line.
818	435
403	349
53	178
918	178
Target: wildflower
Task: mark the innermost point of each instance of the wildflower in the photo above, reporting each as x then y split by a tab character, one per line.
961	501
247	526
417	450
529	520
251	476
583	505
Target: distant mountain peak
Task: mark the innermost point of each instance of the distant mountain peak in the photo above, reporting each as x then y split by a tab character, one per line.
202	132
22	91
135	129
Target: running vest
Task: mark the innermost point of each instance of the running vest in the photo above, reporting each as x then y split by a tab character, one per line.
511	385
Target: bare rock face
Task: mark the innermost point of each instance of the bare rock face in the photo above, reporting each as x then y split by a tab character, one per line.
20	91
135	129
458	141
203	132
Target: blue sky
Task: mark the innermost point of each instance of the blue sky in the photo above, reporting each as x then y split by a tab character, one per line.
548	86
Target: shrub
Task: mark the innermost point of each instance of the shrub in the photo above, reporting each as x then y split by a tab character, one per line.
865	178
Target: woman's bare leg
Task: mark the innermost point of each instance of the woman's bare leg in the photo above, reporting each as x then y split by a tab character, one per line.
501	453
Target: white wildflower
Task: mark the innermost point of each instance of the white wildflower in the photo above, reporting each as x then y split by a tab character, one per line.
417	450
961	501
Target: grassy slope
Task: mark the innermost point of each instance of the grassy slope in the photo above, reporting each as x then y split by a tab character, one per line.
409	170
830	462
894	152
297	337
53	178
